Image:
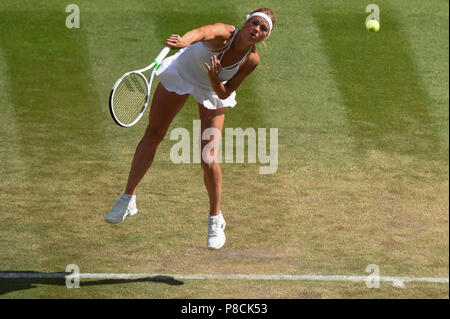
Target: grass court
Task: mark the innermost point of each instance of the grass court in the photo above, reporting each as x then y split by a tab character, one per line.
363	142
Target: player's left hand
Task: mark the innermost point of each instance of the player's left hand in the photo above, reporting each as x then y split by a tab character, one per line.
214	69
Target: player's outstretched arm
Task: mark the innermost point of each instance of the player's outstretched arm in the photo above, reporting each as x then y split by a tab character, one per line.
217	32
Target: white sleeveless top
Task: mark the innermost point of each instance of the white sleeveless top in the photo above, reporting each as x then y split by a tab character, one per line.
185	73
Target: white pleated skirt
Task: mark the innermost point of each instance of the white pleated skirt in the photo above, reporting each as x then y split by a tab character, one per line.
170	78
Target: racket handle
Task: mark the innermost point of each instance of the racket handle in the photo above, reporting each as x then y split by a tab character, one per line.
162	54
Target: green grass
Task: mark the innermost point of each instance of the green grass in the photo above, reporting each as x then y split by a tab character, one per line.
363	152
229	289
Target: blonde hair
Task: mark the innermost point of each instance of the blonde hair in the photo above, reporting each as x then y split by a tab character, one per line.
271	16
268	12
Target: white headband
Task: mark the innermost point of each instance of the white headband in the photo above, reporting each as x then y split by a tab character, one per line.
262	15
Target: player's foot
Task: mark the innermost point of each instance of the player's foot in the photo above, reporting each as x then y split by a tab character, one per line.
126	205
216	234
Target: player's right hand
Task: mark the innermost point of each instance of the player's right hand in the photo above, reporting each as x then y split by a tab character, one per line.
176	42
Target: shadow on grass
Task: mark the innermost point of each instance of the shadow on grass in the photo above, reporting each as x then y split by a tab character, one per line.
23	280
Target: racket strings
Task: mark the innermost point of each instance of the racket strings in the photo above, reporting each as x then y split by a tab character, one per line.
129	98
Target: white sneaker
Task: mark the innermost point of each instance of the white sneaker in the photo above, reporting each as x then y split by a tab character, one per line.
216	234
124	206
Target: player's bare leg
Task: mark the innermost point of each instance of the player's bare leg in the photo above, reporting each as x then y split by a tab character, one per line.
212	175
165	106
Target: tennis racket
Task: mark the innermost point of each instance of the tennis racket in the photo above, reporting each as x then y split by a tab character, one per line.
130	94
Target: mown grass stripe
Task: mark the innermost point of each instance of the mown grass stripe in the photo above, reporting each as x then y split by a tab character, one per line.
387	107
57	118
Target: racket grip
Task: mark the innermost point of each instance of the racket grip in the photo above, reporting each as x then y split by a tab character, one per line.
162	54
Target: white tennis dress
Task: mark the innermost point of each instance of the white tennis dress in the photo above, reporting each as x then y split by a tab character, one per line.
185	73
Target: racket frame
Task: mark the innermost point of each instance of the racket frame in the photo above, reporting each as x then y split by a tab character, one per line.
154	65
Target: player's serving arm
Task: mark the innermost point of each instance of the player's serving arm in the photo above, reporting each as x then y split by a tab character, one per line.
211	64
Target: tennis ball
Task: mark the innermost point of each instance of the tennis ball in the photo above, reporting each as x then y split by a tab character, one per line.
372	25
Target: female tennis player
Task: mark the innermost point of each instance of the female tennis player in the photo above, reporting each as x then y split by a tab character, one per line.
212	63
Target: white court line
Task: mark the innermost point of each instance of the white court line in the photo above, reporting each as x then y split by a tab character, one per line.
395	280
